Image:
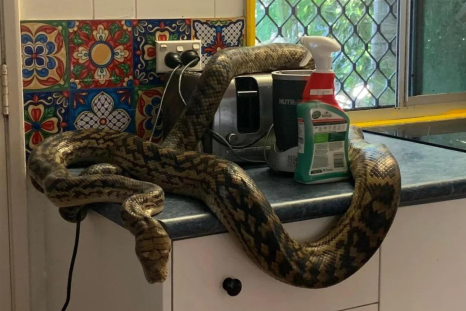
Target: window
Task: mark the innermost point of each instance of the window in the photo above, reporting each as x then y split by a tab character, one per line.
366	30
438	39
394	52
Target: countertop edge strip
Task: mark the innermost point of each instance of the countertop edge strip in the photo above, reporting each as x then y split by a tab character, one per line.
205	224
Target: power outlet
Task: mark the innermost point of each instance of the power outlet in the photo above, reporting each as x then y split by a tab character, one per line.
162	48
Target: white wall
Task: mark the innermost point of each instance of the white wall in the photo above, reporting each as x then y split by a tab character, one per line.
128	9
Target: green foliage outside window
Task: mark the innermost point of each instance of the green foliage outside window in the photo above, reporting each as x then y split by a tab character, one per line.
366	30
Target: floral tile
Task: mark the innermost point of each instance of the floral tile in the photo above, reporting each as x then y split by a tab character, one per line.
145	33
217	35
45	114
102	108
147	101
44	55
100	53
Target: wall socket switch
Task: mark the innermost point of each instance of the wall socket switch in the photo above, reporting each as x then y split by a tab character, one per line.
162	48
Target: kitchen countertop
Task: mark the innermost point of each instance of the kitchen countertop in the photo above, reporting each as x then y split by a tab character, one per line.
449	134
429	174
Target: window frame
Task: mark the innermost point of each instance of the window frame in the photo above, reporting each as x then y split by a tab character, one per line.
20	279
405	27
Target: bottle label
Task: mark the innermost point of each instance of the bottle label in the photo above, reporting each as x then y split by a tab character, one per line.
301	135
329	142
321	92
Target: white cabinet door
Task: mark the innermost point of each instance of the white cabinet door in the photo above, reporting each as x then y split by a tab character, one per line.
423	262
5	277
374	307
201	265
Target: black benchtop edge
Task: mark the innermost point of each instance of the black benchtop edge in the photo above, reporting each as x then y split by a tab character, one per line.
207	224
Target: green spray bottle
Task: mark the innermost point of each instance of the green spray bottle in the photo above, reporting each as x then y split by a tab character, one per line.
322	125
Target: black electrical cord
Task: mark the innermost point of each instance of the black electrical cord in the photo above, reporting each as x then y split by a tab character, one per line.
235	146
73	259
249	144
220	139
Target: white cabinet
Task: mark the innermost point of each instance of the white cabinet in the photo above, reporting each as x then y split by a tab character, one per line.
108	276
423	262
201	265
422	268
374	307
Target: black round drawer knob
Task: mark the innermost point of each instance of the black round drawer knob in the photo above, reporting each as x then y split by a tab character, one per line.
232	286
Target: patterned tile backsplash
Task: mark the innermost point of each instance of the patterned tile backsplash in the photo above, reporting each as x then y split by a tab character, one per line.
217	34
100	54
45	114
101	73
145	33
44	47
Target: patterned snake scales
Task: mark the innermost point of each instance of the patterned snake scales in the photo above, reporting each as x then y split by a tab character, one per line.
226	189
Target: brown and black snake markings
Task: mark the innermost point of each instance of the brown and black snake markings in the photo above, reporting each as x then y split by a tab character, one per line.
137	172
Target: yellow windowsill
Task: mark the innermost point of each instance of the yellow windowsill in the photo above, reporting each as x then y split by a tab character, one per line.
441	117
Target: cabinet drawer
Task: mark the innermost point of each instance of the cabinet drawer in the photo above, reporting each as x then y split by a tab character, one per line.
201	265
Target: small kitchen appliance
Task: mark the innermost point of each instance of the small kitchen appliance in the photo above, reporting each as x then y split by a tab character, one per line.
243	118
249	107
288	86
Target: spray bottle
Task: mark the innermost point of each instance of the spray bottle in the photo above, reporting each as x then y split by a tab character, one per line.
322	125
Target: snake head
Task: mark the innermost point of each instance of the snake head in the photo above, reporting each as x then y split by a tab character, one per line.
153	248
155	271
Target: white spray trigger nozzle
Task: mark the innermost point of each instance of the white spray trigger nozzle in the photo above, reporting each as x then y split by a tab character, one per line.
321	49
307	58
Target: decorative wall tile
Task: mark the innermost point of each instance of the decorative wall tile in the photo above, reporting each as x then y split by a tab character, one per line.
218	34
44	55
45	114
100	53
145	33
102	108
147	101
101	73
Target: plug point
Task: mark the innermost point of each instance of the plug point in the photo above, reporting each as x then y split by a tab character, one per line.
162	48
172	60
189	56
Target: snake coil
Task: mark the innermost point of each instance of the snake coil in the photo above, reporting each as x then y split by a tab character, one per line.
134	172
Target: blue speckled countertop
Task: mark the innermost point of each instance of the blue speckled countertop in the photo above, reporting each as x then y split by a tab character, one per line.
429	174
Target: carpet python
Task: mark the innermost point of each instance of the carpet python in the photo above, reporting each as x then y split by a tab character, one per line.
135	172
